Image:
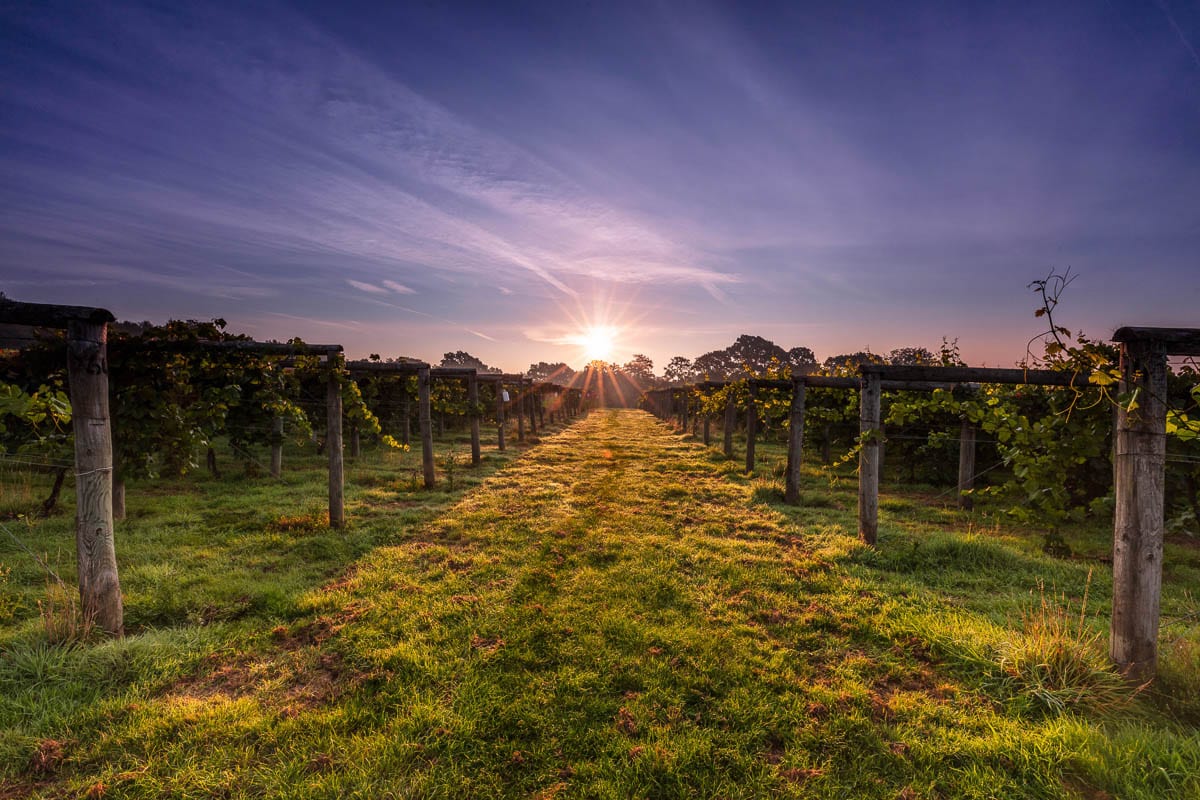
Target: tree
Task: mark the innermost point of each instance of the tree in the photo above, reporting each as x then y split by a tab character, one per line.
679	370
461	358
912	357
641	369
755	355
557	372
802	360
850	362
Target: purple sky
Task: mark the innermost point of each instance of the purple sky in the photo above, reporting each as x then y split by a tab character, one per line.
415	178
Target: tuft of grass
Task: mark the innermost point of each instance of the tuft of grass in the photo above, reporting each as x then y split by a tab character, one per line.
1057	661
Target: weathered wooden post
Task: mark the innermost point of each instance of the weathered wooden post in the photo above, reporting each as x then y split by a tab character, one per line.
1138	519
707	429
519	410
868	459
730	419
473	406
541	409
333	443
500	415
531	407
277	448
87	375
355	441
407	439
426	425
966	465
791	492
751	424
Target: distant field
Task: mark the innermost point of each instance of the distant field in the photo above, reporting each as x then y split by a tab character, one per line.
614	611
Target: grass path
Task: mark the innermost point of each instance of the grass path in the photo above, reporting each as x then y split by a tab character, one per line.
612	616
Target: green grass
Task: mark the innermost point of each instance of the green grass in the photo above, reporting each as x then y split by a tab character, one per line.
617	613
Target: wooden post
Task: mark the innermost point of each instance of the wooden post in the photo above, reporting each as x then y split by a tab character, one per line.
881	457
531	407
541	410
707	431
355	441
791	492
730	421
868	459
426	425
751	426
519	411
277	448
1138	521
966	465
473	405
499	415
87	374
683	410
408	416
333	444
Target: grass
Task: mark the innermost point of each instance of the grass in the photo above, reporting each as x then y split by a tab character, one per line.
616	613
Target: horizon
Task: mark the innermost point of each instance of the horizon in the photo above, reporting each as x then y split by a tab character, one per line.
534	182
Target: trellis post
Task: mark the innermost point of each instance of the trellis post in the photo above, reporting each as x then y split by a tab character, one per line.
277	447
868	458
500	415
87	375
333	443
751	424
730	420
473	404
1138	517
791	492
426	425
966	465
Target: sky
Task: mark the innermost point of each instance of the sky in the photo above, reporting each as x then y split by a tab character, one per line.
412	178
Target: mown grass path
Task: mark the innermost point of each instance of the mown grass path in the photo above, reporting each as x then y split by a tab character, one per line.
610	616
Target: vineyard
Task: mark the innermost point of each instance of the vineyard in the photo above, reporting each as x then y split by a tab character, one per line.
298	575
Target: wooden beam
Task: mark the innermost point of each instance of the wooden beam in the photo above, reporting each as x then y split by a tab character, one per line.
48	315
1173	341
1039	377
868	459
1138	518
87	377
791	492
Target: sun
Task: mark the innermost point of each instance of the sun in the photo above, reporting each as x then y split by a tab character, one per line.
598	342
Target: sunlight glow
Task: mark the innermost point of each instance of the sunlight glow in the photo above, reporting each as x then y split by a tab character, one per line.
598	342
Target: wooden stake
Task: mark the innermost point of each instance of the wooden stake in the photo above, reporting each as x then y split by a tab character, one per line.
87	374
426	425
751	426
966	465
707	432
518	407
473	404
868	459
333	444
791	492
1138	521
499	415
730	422
277	448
